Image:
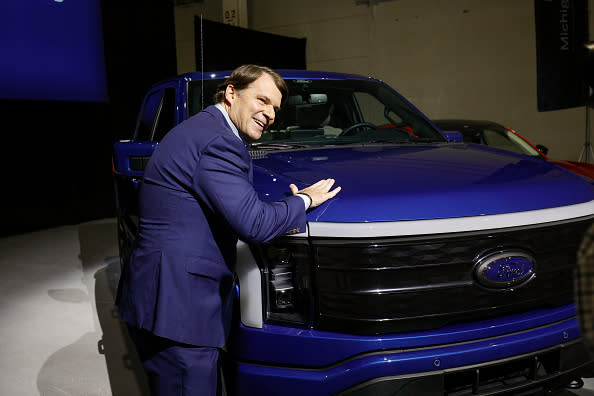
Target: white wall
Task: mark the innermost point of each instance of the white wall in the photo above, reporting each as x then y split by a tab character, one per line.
471	59
451	58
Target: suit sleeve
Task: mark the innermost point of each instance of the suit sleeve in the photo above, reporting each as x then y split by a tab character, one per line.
222	177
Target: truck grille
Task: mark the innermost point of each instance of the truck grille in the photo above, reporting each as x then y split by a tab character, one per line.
377	286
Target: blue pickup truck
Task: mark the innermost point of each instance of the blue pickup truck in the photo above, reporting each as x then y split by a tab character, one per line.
442	268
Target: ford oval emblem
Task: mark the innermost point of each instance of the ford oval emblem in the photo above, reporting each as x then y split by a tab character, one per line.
505	269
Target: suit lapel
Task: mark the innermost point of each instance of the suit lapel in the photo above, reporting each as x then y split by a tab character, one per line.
221	118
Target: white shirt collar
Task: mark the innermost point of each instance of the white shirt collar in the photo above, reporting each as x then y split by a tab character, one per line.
231	124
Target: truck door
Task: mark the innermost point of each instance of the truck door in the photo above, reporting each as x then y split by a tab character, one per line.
157	116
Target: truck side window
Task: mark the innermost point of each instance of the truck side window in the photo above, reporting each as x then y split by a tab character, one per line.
166	119
150	110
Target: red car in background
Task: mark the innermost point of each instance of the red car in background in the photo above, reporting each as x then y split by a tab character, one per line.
493	134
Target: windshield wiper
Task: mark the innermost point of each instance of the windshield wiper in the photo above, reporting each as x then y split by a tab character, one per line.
275	146
389	141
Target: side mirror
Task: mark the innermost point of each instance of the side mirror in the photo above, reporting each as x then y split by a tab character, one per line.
453	136
543	149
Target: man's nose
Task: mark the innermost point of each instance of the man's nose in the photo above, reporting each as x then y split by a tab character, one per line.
269	113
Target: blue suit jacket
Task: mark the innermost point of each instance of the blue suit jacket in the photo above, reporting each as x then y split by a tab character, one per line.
196	199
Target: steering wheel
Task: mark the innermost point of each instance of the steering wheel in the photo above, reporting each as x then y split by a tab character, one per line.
346	131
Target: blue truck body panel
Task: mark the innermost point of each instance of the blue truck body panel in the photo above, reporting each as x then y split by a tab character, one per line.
124	151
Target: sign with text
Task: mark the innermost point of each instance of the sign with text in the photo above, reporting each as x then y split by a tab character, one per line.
561	32
235	12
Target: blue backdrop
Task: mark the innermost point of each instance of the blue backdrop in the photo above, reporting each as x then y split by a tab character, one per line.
52	50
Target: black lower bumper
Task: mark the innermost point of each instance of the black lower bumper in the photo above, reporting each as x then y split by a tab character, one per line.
531	374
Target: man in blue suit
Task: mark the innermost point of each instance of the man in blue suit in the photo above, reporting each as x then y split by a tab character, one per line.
196	200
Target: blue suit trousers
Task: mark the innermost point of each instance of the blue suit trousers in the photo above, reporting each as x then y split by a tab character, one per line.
173	368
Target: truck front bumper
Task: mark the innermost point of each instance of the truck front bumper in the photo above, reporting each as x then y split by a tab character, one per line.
543	357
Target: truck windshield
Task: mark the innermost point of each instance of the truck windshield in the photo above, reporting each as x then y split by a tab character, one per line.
337	112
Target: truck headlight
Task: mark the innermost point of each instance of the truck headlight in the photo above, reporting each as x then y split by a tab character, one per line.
286	276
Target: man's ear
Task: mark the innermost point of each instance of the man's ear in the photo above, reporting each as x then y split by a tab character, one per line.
230	94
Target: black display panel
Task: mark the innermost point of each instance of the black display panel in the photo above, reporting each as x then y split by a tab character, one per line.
224	47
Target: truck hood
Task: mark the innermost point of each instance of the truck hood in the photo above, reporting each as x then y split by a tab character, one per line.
419	182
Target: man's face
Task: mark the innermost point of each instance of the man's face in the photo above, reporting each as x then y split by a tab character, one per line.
252	109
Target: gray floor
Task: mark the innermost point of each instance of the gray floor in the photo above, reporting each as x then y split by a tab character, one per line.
59	333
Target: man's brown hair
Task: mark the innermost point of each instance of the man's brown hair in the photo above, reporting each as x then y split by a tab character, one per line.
244	75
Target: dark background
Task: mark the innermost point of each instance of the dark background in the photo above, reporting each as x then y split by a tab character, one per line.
57	153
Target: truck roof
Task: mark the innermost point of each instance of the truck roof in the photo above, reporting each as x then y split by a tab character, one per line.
285	73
